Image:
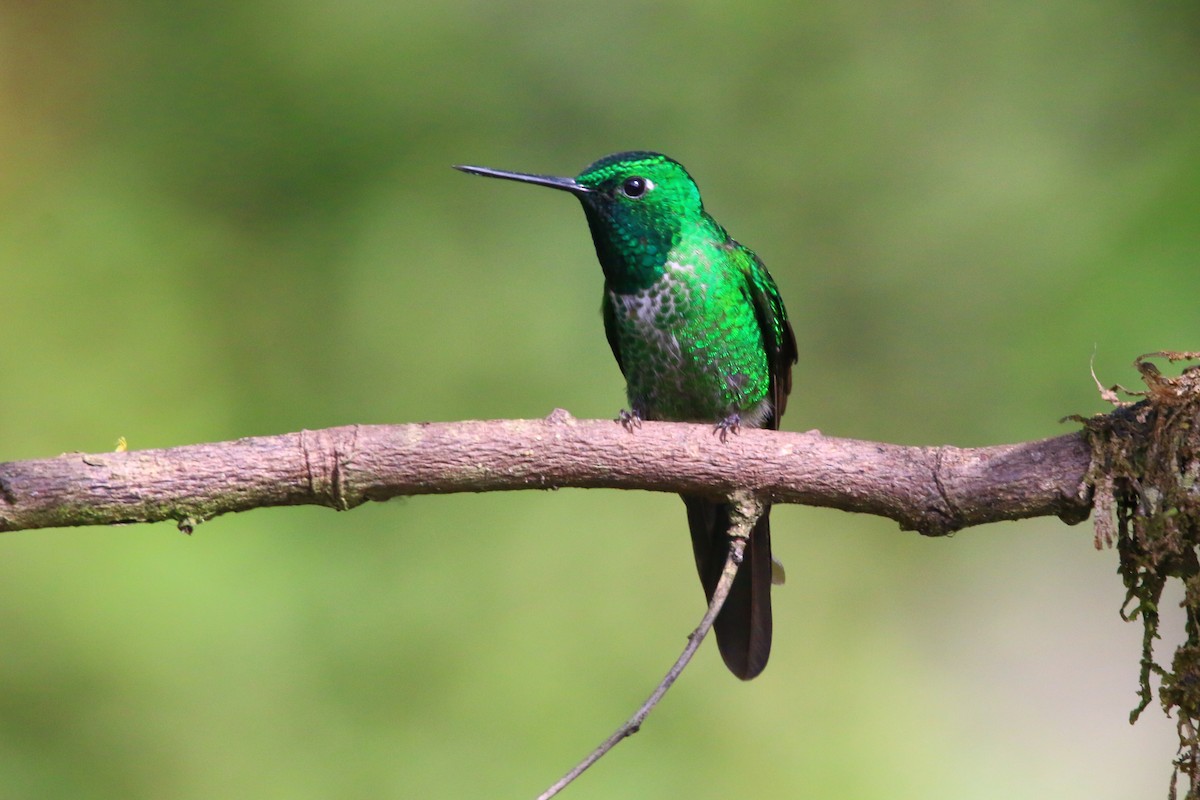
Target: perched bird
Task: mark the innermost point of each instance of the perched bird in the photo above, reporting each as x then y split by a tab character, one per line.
701	335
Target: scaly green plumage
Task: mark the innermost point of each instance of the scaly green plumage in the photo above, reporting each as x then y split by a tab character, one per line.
700	332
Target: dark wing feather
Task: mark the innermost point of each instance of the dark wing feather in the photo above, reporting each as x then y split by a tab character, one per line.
610	327
778	338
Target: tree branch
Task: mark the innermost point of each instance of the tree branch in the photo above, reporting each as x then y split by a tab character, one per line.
934	490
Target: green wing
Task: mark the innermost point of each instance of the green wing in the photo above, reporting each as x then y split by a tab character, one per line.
777	334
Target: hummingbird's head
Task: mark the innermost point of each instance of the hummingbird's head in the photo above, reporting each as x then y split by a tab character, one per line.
637	205
640	185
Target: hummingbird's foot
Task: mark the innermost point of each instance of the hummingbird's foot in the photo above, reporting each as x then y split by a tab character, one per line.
731	424
629	419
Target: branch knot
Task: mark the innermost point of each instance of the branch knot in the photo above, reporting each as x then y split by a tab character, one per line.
326	454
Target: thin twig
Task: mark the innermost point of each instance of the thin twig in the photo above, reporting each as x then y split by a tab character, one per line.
747	511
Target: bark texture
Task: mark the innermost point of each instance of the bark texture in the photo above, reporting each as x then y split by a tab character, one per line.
933	490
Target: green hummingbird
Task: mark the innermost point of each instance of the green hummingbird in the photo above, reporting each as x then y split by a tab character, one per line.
700	333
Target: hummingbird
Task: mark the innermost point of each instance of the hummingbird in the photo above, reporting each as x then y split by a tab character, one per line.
700	333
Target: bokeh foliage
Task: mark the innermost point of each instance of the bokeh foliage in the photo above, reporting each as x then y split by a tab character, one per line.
223	219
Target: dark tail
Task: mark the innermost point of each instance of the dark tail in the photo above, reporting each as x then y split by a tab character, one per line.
743	627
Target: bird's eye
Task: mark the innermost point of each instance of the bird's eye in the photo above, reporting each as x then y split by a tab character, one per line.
636	187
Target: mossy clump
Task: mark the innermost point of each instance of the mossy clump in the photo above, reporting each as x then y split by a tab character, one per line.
1145	465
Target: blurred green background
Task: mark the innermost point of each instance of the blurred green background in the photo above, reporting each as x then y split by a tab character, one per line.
227	219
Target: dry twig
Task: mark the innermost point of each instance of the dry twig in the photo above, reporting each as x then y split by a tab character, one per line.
747	513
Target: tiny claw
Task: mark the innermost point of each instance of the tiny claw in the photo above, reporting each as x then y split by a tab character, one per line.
629	420
731	424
